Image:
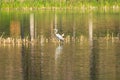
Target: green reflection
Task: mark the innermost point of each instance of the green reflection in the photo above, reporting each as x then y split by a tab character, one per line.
74	24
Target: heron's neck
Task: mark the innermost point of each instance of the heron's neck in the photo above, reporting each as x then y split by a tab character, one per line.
56	32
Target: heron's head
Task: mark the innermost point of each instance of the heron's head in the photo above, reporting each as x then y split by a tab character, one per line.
55	30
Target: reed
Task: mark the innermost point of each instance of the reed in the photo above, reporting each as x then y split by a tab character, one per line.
33	5
25	41
2	35
68	39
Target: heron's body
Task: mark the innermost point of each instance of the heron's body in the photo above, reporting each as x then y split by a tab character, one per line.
59	37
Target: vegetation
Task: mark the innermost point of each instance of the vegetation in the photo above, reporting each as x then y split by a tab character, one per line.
58	4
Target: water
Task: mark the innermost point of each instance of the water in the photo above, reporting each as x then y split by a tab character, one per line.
90	50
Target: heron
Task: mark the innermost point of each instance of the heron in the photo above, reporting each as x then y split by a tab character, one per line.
59	36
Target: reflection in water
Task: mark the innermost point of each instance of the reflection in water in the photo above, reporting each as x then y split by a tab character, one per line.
32	62
88	59
22	29
15	28
90	30
32	28
74	24
93	52
55	21
58	52
117	61
94	60
26	62
63	64
10	63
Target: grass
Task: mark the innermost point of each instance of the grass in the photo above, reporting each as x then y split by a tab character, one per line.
42	39
27	5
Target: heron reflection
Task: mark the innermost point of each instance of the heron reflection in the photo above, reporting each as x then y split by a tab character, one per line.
58	52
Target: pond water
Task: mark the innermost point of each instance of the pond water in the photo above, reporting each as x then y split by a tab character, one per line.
90	50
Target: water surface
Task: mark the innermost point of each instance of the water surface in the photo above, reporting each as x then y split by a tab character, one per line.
90	50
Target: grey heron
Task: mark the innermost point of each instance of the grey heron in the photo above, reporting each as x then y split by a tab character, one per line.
59	36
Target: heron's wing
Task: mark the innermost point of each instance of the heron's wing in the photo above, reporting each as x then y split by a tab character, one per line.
59	37
62	35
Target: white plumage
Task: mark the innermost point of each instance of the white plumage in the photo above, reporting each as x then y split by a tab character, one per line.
59	37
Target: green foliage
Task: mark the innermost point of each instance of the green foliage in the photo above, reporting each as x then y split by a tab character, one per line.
59	3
